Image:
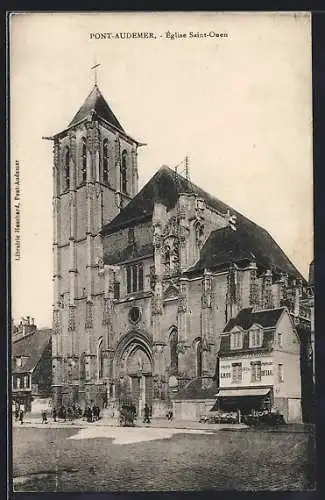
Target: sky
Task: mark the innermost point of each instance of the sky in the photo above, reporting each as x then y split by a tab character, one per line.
239	106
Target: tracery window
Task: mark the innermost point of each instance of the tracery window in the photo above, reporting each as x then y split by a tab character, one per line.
134	278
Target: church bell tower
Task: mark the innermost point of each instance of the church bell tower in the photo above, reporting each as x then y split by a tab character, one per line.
95	174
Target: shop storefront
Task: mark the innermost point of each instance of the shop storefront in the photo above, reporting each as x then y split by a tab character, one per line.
247	400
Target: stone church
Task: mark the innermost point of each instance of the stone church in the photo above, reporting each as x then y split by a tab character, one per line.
145	281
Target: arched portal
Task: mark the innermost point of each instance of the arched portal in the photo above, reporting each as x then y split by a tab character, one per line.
133	371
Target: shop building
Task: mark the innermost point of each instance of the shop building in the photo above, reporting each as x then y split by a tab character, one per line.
259	365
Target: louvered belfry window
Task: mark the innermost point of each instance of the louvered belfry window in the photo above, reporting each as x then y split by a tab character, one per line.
105	161
84	161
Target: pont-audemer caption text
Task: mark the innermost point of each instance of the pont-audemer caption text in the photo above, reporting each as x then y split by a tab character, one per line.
171	35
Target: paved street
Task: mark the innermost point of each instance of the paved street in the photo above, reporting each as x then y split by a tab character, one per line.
106	458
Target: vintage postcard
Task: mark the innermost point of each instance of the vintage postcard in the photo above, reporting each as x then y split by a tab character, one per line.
161	252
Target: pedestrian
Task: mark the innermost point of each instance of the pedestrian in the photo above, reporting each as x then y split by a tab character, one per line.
95	413
44	417
170	415
64	413
17	412
89	414
70	414
21	416
146	419
54	414
134	411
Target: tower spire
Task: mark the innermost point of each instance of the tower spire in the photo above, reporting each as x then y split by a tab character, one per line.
95	68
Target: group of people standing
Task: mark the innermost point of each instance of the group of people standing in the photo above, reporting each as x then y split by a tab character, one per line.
67	413
92	413
19	412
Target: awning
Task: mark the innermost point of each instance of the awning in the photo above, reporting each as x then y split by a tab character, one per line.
223	393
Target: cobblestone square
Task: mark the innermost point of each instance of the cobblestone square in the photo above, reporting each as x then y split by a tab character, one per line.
160	459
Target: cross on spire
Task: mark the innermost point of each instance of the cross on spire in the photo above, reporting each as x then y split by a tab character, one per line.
95	68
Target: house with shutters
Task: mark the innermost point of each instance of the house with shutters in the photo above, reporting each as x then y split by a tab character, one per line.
31	372
259	363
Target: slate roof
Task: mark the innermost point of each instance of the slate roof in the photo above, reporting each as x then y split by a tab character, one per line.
245	319
267	318
96	102
31	348
223	246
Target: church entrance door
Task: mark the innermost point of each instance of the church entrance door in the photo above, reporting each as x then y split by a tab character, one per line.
139	371
133	368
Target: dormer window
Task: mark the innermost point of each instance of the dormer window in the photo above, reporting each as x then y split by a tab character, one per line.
236	339
255	336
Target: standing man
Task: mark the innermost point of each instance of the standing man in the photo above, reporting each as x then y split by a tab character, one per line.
146	419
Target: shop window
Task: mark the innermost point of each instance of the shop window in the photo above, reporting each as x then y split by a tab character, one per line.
255	337
173	341
280	373
84	160
256	371
236	373
105	161
236	340
134	278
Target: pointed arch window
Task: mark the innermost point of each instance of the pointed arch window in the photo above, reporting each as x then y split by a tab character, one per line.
105	161
83	160
67	168
198	356
134	278
100	363
173	341
124	172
